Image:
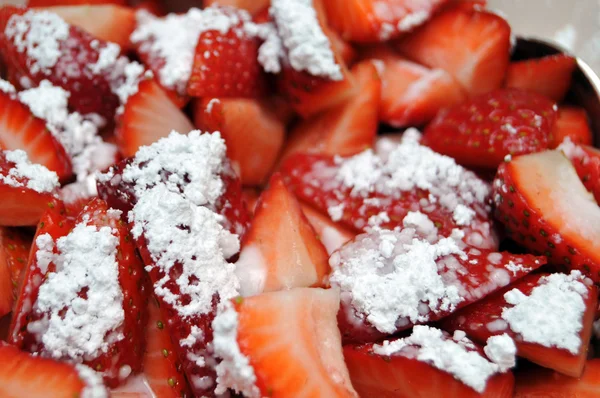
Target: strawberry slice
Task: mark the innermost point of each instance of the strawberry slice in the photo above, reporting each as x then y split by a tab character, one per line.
472	45
541	382
107	22
545	207
371	189
116	351
393	279
572	122
282	257
415	368
50	3
15	246
289	341
19	129
586	160
482	131
332	235
6	286
154	7
467	4
252	6
75	65
366	21
23	375
254	133
412	94
251	196
345	129
148	115
549	76
563	348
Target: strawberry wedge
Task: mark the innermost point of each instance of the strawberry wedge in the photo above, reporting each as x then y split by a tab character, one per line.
549	317
586	160
572	122
14	251
546	208
540	382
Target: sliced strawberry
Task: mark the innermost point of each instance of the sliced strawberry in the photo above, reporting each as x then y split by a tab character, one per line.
482	131
341	47
467	4
22	375
154	7
69	67
15	246
412	94
4	327
332	235
281	250
19	129
251	196
345	129
120	356
367	21
545	207
293	344
414	277
472	45
484	319
549	76
539	382
404	373
148	116
253	132
50	3
572	122
586	160
6	286
106	22
226	64
252	6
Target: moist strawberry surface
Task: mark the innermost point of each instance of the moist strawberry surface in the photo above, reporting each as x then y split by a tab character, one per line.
378	202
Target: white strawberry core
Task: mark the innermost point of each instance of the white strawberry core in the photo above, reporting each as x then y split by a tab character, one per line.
35	176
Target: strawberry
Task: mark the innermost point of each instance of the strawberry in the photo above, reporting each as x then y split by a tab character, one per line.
464	275
251	196
280	258
4	326
545	208
111	23
549	76
154	7
403	375
472	45
252	130
23	375
50	3
252	6
572	122
365	21
347	128
15	246
331	234
483	319
77	50
412	94
19	129
292	343
539	382
340	46
226	64
6	289
467	4
586	160
124	353
482	131
148	115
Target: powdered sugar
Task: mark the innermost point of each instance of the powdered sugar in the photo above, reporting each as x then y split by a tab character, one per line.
27	174
570	149
271	51
501	350
552	314
432	346
463	215
94	387
128	81
7	87
516	268
38	34
107	58
308	48
234	371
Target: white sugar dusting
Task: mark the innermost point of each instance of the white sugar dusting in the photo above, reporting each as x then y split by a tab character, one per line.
502	351
271	51
7	87
24	174
94	386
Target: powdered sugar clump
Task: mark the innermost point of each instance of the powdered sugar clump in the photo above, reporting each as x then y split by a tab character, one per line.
271	51
38	34
308	48
94	386
107	58
432	346
234	371
552	314
570	149
501	350
7	87
27	174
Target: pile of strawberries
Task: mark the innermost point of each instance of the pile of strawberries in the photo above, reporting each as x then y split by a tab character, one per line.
308	240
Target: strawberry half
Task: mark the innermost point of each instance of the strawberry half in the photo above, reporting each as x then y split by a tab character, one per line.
549	76
545	207
540	382
116	357
484	319
281	250
15	246
572	122
483	130
291	342
471	44
376	371
586	160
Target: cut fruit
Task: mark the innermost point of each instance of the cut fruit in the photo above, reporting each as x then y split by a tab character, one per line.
573	123
586	160
332	235
539	382
14	252
281	250
546	208
252	6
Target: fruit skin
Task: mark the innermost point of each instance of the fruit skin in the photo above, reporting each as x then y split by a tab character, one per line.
572	122
15	246
482	131
331	234
586	160
252	6
398	376
23	375
471	44
549	76
537	382
474	318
